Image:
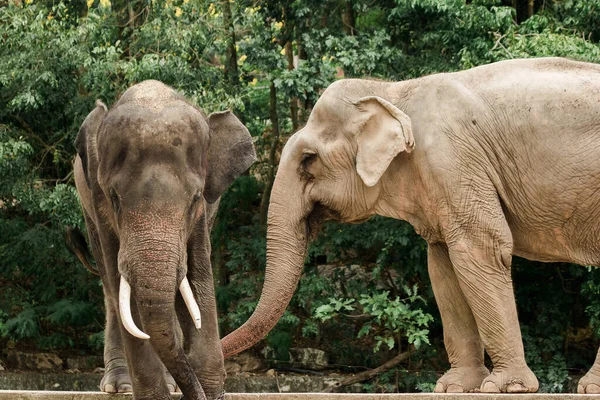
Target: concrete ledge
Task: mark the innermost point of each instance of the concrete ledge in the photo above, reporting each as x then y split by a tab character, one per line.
40	395
85	382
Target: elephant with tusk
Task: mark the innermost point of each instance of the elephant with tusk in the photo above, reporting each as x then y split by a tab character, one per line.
149	173
497	160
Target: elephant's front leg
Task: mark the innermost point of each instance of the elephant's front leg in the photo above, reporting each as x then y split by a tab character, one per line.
461	337
203	346
481	255
590	383
145	367
116	374
116	377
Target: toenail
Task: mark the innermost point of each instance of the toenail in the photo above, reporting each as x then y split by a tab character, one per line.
108	388
439	388
490	387
454	388
125	388
592	388
516	387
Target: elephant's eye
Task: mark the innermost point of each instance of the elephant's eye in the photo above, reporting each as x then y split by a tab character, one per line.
308	157
115	200
195	206
196	199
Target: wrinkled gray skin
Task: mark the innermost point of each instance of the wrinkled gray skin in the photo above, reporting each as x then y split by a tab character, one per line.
149	173
498	160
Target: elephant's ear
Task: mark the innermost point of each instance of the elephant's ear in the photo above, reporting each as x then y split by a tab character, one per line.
383	132
87	133
230	153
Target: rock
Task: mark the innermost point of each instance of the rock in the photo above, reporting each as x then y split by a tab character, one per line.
73	371
268	353
355	388
32	361
85	363
232	368
307	358
244	362
2	366
285	388
302	358
270	372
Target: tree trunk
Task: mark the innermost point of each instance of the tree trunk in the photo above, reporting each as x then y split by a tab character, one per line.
264	203
128	14
530	8
231	69
289	53
348	20
303	106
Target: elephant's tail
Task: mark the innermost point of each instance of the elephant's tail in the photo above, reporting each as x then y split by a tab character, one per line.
77	245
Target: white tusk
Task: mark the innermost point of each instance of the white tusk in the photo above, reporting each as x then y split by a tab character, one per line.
125	310
190	302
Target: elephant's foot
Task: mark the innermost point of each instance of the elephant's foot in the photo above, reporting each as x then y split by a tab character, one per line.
589	383
171	385
116	380
510	380
461	380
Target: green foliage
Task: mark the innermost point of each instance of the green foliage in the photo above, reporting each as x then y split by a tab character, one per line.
388	318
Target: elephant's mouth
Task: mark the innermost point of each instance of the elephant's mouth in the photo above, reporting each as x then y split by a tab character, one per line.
316	218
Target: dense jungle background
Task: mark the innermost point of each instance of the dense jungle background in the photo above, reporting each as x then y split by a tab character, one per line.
365	297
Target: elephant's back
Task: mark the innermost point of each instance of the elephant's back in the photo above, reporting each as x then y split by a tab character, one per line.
533	127
540	138
527	69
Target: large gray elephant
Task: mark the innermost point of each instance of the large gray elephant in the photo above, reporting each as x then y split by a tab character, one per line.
497	160
149	173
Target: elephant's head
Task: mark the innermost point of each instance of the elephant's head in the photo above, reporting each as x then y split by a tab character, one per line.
333	168
150	163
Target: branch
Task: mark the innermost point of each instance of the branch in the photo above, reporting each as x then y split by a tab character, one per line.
497	43
358	317
28	129
363	376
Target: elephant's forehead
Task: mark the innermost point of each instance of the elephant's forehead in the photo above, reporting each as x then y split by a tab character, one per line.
151	95
133	122
331	108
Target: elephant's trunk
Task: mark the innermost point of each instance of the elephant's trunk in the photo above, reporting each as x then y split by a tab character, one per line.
125	307
153	268
287	238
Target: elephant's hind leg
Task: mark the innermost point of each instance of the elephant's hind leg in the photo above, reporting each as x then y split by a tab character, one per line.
590	383
461	336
